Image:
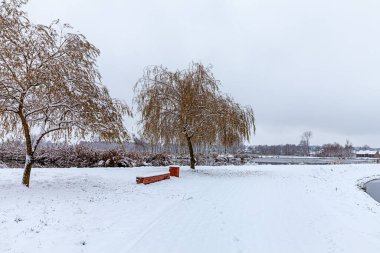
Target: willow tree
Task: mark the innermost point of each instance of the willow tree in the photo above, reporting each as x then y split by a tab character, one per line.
186	107
235	123
50	85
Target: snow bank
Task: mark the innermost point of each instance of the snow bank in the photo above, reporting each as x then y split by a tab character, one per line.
215	209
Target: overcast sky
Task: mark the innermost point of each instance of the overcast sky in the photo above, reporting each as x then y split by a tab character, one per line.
301	64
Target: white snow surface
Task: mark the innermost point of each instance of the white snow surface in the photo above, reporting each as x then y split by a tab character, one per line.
215	209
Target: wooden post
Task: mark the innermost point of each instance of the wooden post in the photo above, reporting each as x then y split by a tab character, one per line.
174	171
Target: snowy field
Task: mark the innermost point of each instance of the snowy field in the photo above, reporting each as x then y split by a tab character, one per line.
216	209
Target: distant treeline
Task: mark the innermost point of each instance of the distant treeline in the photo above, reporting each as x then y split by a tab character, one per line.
326	150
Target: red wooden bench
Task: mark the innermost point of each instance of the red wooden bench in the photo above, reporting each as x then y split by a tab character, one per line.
152	179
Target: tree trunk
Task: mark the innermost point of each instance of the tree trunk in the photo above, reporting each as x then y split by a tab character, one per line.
29	159
27	170
192	159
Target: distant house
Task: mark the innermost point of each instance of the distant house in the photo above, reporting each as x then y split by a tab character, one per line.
368	153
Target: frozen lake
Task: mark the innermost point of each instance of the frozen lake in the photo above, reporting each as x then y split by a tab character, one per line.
373	189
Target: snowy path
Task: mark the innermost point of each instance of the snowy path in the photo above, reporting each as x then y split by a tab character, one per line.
221	209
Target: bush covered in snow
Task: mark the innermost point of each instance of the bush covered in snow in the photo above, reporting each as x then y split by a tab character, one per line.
3	165
63	156
80	156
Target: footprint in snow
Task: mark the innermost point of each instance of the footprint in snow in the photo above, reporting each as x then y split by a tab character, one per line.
18	219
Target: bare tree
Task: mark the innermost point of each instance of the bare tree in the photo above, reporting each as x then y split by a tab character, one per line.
185	107
139	143
348	149
305	141
336	150
50	85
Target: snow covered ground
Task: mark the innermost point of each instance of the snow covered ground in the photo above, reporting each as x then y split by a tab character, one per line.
216	209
